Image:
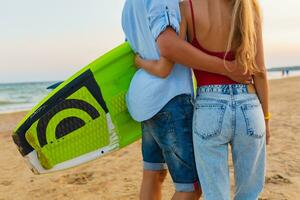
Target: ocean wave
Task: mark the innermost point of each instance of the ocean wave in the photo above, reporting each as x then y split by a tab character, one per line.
21	96
10	102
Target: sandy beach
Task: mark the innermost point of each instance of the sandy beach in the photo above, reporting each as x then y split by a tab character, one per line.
118	175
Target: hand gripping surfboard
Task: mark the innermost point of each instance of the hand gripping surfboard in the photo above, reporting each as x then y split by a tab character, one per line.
82	119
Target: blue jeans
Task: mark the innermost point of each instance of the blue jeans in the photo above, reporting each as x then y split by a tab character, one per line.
167	141
229	115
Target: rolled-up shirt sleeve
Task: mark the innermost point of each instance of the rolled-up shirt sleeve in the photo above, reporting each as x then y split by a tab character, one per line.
163	14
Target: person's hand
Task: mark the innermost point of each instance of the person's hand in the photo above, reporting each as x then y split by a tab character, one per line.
268	134
138	61
237	73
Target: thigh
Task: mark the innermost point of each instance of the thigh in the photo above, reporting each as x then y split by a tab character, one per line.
176	142
151	150
249	150
211	137
212	168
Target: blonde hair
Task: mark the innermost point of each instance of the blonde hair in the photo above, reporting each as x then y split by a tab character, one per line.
246	18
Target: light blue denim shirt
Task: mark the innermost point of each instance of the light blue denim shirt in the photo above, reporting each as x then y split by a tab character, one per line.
143	21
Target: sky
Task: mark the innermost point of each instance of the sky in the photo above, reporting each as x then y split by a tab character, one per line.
51	40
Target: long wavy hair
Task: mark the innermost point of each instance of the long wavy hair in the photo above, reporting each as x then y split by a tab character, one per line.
246	18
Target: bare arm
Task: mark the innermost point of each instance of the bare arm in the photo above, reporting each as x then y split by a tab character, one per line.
261	80
180	51
162	67
176	49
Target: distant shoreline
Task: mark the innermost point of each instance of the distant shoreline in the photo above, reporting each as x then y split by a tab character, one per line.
284	77
27	109
272	77
269	70
15	111
29	82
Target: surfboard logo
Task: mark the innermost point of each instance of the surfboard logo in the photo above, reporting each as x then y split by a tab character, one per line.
72	123
76	105
68	124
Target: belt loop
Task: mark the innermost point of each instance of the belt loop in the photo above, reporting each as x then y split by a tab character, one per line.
230	89
224	89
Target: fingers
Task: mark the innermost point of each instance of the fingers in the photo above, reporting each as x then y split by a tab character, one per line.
248	76
137	60
137	57
246	81
249	80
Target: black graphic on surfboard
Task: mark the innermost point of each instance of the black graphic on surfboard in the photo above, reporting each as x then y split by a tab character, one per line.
68	124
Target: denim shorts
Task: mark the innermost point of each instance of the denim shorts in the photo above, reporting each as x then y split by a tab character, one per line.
167	142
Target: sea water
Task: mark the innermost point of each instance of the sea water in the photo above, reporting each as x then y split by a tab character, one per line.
280	75
21	96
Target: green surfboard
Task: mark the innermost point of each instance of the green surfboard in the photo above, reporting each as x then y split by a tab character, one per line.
82	119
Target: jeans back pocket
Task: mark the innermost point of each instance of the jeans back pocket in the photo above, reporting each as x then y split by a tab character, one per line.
254	119
208	119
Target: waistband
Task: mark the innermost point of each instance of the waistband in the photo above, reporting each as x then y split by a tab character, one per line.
233	89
